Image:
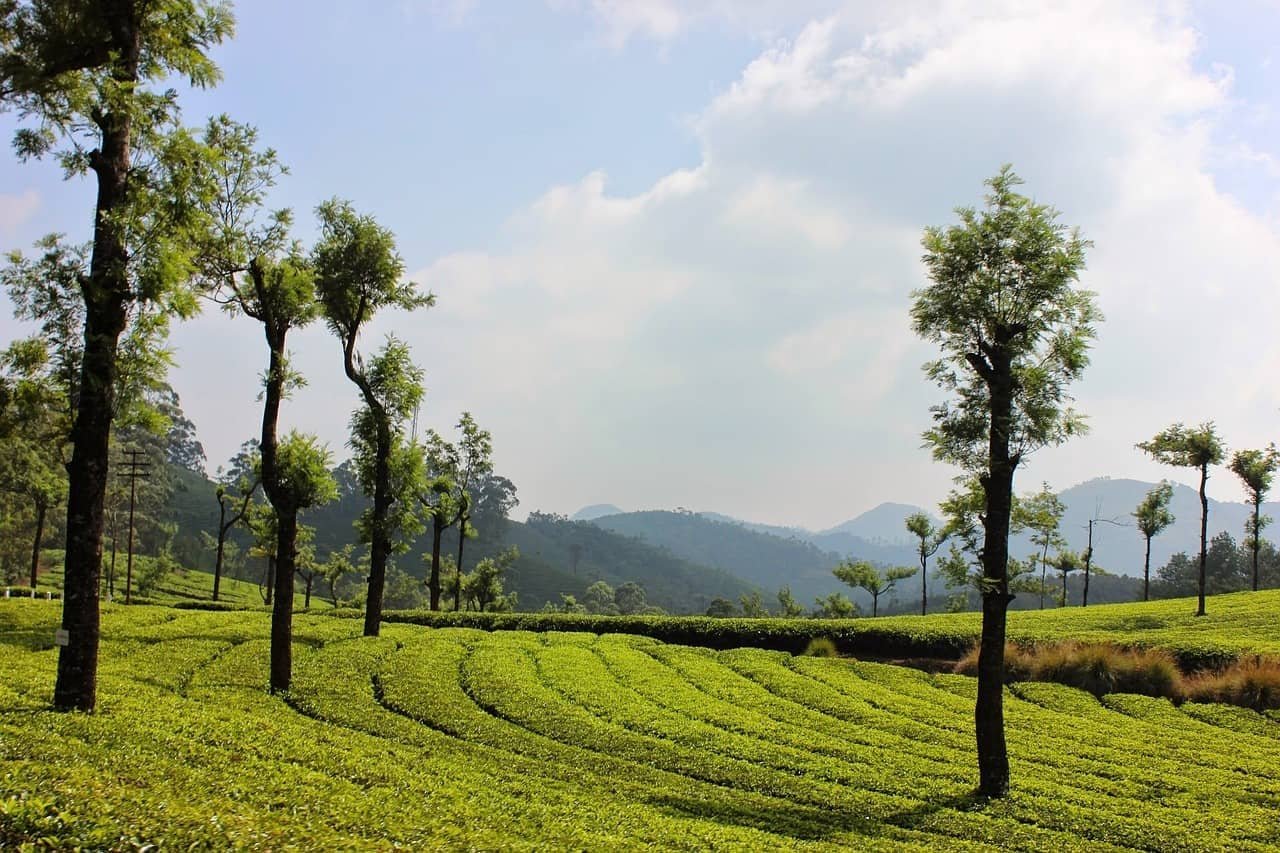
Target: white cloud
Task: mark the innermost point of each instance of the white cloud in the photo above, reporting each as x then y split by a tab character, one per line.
15	210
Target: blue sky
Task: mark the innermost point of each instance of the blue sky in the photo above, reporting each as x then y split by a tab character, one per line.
673	242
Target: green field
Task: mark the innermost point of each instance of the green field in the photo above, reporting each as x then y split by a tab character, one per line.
460	738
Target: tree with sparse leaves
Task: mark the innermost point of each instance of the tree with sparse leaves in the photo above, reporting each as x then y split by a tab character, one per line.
1014	328
788	607
1153	517
1256	470
1041	513
1191	447
929	538
235	489
358	274
862	574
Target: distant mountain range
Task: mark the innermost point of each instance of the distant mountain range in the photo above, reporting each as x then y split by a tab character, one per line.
770	556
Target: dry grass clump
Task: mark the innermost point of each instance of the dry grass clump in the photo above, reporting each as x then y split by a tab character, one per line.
1099	668
1251	682
821	647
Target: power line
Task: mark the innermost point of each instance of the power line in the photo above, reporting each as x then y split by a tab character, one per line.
135	469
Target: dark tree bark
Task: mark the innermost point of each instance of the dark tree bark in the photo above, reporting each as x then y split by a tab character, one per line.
1146	573
1204	534
1257	537
433	581
41	509
997	482
106	294
924	583
222	536
306	604
1088	563
457	578
282	609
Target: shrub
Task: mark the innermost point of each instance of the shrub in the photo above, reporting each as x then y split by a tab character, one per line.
1099	668
821	647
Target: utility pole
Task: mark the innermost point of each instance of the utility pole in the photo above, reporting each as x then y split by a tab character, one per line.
135	468
1088	551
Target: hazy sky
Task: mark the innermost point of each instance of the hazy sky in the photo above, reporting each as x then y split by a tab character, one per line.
673	242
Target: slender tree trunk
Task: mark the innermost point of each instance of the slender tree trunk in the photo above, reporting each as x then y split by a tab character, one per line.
1044	572
1146	573
924	582
306	604
282	609
222	537
457	578
269	587
875	604
433	582
41	509
993	755
1257	539
1064	589
111	575
1088	562
1204	534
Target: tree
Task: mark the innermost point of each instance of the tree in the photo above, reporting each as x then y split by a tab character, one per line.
860	573
788	607
721	608
437	497
358	273
83	73
630	598
1065	562
1256	470
302	481
1226	570
834	606
1014	330
1153	517
1191	447
962	511
235	490
475	452
600	598
336	567
1041	513
752	606
929	540
482	587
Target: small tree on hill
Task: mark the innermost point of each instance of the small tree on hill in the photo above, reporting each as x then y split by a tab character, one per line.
1014	330
1153	517
1191	447
788	607
862	574
1066	562
834	606
235	490
1256	470
1041	513
928	540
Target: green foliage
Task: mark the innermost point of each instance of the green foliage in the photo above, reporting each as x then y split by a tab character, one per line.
788	607
821	647
1003	280
1186	447
861	573
1153	515
303	465
834	606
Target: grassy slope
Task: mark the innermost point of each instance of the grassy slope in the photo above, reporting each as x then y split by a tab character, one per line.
458	738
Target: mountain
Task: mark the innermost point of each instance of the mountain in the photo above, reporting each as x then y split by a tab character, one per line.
594	511
883	525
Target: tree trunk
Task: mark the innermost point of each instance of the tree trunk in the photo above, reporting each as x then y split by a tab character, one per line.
997	482
282	609
457	578
1088	564
222	537
106	294
875	604
1044	572
1064	589
1257	539
306	604
433	582
41	509
1146	573
270	586
1204	534
924	583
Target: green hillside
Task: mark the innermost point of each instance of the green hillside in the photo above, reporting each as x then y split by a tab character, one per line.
509	740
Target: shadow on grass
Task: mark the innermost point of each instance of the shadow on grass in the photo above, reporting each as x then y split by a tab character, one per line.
810	823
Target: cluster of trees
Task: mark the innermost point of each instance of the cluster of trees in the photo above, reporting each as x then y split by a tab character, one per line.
627	599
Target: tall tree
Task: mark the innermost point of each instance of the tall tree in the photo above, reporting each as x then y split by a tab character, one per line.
85	74
929	539
1065	562
1191	447
1014	330
475	463
1153	517
1256	470
1041	513
862	574
358	273
235	490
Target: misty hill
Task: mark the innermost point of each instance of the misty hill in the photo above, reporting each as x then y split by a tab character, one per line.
594	511
882	525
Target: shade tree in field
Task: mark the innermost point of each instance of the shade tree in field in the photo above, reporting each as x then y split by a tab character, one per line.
482	587
358	274
84	76
1227	569
929	538
861	574
1153	517
752	605
1041	514
475	462
1014	329
335	567
835	605
1256	470
788	607
1066	562
236	486
1191	447
437	497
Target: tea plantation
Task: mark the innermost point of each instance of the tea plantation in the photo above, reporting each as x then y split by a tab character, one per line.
463	738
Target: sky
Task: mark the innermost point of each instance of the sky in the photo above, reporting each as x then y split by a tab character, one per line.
673	242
